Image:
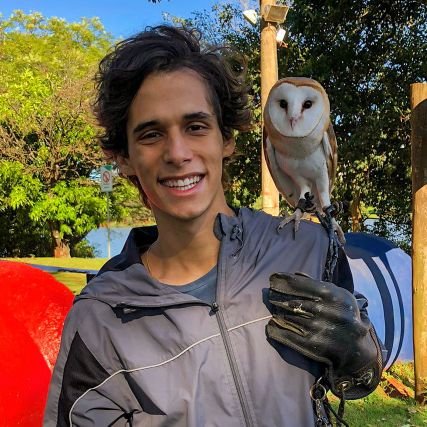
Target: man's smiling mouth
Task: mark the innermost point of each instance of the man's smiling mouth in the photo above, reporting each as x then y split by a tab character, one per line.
182	184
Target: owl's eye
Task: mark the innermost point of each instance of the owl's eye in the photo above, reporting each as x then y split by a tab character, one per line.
307	104
283	103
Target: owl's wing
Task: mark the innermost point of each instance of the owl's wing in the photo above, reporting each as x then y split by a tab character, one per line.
283	182
330	148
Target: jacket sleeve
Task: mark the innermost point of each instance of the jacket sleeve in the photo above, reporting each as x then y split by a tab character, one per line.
74	398
367	378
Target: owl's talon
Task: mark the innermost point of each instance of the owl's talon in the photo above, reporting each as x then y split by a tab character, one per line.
296	216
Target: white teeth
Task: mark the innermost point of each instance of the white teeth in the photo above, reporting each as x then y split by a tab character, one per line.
182	184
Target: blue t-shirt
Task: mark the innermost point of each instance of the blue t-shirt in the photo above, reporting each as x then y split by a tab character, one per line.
204	288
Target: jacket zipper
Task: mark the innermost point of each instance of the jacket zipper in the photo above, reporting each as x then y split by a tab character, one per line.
226	340
233	364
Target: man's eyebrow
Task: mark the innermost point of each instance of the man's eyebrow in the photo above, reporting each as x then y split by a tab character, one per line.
198	115
190	116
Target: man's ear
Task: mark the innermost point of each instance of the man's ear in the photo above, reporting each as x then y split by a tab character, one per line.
124	165
228	147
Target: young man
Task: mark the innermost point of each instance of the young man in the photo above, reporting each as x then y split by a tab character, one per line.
172	332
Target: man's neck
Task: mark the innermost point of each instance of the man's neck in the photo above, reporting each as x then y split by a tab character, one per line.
184	250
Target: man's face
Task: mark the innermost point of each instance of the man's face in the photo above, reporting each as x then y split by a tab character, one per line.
176	147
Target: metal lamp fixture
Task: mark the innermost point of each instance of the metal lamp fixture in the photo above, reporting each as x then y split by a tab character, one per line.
280	36
251	16
275	13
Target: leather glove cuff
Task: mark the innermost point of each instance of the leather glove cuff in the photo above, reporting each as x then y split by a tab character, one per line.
356	381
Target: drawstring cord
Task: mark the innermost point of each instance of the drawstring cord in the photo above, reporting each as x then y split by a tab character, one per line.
236	234
320	401
129	418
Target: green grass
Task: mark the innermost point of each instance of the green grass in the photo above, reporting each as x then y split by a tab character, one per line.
74	281
378	409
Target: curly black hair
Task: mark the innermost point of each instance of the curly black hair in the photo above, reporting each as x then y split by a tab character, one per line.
166	49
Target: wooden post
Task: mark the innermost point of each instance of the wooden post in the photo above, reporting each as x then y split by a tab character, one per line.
269	76
419	235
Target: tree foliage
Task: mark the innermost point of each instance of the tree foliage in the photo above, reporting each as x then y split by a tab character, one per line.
366	54
48	146
18	192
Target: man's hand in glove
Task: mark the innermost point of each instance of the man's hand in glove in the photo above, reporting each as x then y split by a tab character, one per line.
328	324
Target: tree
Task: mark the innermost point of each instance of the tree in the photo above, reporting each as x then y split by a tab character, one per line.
18	192
366	54
47	133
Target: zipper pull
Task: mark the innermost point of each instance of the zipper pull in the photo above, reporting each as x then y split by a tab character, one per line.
215	307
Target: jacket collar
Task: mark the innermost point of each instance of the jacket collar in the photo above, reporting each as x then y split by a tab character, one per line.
123	282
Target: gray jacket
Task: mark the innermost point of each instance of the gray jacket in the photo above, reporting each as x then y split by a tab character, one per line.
136	352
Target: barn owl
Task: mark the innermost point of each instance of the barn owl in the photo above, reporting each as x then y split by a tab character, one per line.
300	147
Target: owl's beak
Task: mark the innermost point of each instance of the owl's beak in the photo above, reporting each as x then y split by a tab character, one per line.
293	120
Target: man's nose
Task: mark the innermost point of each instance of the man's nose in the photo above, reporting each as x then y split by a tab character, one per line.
177	150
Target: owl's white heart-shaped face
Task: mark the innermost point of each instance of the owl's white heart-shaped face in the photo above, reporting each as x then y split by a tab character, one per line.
296	111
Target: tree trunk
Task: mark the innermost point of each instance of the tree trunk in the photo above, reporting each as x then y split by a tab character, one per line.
356	214
61	248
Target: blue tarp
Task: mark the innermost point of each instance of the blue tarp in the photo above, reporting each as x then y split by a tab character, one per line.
383	273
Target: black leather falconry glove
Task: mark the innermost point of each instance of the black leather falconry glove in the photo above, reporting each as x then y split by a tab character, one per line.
328	324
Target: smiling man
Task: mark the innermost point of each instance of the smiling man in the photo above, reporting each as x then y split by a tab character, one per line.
175	150
178	329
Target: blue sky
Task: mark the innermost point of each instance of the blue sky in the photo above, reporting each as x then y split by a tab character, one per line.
120	17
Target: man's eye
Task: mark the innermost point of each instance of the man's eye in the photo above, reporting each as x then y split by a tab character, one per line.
149	135
197	127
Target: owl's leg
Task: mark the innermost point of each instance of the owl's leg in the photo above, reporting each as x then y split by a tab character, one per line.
304	205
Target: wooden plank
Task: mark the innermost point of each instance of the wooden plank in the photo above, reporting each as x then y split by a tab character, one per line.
269	76
419	235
